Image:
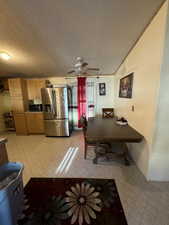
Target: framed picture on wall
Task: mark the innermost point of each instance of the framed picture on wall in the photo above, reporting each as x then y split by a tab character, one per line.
126	86
102	89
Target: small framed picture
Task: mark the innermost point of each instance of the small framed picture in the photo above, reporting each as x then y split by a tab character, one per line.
126	86
102	89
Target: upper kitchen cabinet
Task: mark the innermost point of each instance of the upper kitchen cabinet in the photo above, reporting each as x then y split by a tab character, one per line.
19	94
4	84
34	88
18	105
17	87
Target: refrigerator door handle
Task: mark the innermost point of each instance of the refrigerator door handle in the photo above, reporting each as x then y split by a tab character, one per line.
54	103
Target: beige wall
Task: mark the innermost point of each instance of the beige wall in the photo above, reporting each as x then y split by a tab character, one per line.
145	61
159	163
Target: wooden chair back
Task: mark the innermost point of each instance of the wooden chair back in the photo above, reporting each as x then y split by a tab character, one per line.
107	112
83	122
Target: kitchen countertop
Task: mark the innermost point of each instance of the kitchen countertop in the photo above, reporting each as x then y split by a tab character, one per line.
3	140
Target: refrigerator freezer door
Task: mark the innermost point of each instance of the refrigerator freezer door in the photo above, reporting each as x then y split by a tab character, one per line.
57	128
48	103
60	97
70	112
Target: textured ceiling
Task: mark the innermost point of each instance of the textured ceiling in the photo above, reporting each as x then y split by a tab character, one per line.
45	36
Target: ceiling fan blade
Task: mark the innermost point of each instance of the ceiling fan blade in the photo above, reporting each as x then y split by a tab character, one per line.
85	64
71	71
96	69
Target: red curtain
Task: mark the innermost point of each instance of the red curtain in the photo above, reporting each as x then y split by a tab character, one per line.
81	98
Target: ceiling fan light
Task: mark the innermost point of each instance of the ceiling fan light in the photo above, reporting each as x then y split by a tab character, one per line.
81	67
4	56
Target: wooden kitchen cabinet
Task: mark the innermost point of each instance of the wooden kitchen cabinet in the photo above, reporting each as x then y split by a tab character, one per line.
4	83
19	94
20	91
20	123
17	105
17	87
35	123
19	100
3	151
34	88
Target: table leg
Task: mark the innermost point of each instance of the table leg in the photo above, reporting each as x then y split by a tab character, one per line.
126	155
96	153
101	149
3	154
85	149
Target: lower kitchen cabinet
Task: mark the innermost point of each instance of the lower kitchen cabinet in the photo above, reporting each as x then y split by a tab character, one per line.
35	123
3	151
20	123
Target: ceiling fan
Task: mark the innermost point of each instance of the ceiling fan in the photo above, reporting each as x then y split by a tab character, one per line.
81	67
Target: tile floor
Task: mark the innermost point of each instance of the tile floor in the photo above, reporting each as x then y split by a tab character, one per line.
145	203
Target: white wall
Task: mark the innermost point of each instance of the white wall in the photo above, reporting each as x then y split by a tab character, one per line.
106	101
145	61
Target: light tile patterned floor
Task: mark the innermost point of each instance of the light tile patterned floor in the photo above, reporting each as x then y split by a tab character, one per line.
145	203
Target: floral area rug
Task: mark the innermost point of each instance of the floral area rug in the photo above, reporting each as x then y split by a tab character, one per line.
64	201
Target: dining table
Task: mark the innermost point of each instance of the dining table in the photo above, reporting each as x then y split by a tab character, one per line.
107	130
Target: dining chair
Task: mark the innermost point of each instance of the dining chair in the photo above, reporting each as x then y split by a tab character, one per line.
107	112
83	122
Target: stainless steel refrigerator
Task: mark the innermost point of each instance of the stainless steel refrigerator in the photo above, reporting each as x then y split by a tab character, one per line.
57	110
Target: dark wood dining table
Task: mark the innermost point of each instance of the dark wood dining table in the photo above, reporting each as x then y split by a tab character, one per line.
106	130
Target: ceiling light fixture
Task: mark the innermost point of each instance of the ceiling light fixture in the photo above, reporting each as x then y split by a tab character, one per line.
4	56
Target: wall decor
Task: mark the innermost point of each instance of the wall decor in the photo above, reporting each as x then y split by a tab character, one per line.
102	89
126	85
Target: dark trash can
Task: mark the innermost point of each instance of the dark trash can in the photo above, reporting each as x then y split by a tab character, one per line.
11	193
